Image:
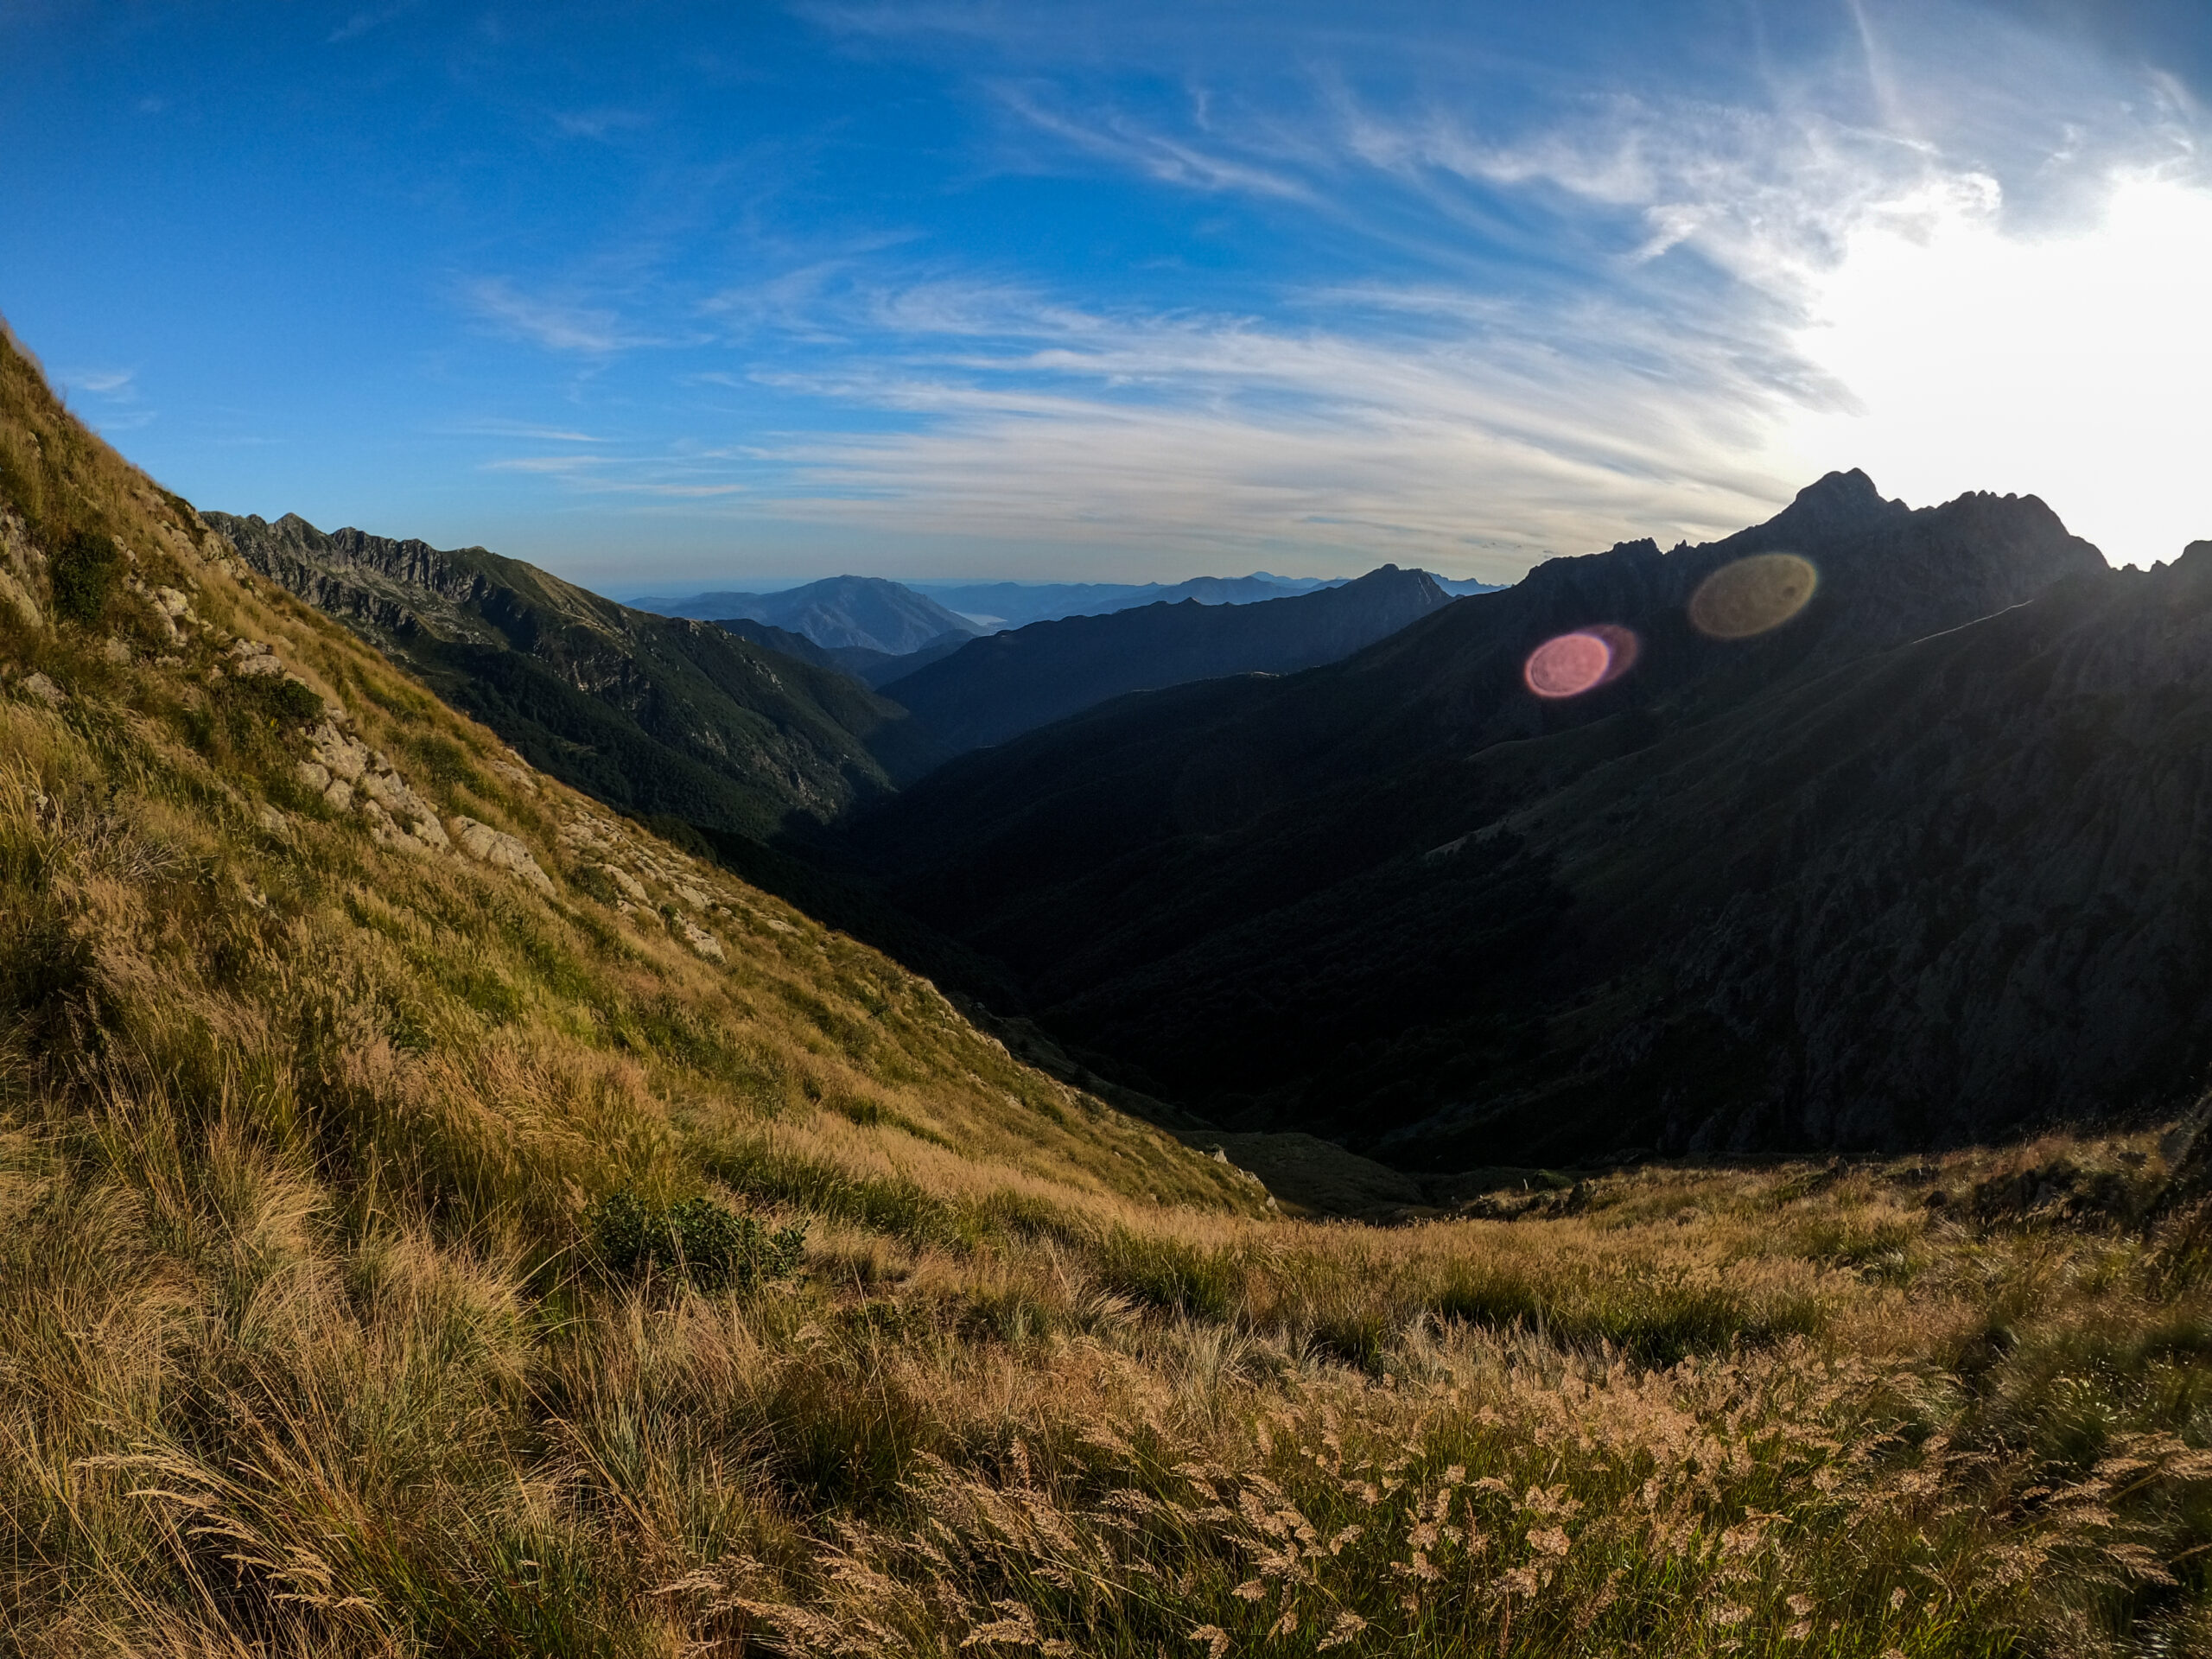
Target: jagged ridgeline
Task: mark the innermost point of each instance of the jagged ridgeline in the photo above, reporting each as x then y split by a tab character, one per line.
437	1218
657	715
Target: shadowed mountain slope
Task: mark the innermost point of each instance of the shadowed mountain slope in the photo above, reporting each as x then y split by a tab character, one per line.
996	688
871	668
653	715
1754	893
868	612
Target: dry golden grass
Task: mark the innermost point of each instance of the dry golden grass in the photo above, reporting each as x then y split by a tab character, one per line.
304	1348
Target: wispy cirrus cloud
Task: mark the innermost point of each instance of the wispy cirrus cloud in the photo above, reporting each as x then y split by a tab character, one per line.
554	466
116	404
599	124
1165	157
559	325
1414	310
505	429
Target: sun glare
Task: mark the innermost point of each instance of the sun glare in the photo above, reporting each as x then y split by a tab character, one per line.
1568	664
2073	367
1752	595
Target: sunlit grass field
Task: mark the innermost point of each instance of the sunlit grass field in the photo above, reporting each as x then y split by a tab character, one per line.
315	1337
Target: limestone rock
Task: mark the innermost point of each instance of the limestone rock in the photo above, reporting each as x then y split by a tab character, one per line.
171	607
515	773
702	941
45	690
501	850
346	757
17	595
253	659
631	888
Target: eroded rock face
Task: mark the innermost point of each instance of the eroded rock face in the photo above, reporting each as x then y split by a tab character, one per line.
254	660
346	772
701	941
499	849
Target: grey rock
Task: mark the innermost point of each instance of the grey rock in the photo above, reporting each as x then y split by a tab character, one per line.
498	848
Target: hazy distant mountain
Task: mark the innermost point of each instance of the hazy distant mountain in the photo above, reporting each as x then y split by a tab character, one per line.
1931	860
1015	604
995	688
871	668
868	612
651	714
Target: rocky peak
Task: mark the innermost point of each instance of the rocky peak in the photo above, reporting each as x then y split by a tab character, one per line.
1837	504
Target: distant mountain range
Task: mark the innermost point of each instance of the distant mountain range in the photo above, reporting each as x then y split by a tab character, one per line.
653	715
992	688
1015	603
872	668
986	606
1929	861
862	613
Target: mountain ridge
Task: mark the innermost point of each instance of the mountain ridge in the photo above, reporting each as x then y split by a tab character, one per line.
654	715
999	686
1316	903
866	613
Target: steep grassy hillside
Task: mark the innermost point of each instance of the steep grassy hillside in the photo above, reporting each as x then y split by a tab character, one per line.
436	1219
653	716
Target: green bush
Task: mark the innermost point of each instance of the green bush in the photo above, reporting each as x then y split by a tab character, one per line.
83	571
708	1243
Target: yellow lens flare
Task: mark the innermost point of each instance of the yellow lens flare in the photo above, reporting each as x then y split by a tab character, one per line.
1752	595
1568	664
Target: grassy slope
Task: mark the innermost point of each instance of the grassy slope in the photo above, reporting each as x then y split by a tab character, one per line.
304	1348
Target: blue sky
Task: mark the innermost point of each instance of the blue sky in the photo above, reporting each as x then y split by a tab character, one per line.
756	293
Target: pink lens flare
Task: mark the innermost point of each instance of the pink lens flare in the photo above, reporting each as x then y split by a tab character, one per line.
1571	663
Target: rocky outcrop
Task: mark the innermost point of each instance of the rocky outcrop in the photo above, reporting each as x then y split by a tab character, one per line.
349	775
499	849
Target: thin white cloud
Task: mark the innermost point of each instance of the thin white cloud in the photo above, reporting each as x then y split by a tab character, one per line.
503	429
600	123
1163	158
104	383
553	465
556	325
367	21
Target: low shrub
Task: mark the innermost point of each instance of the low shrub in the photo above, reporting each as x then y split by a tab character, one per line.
712	1245
82	568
